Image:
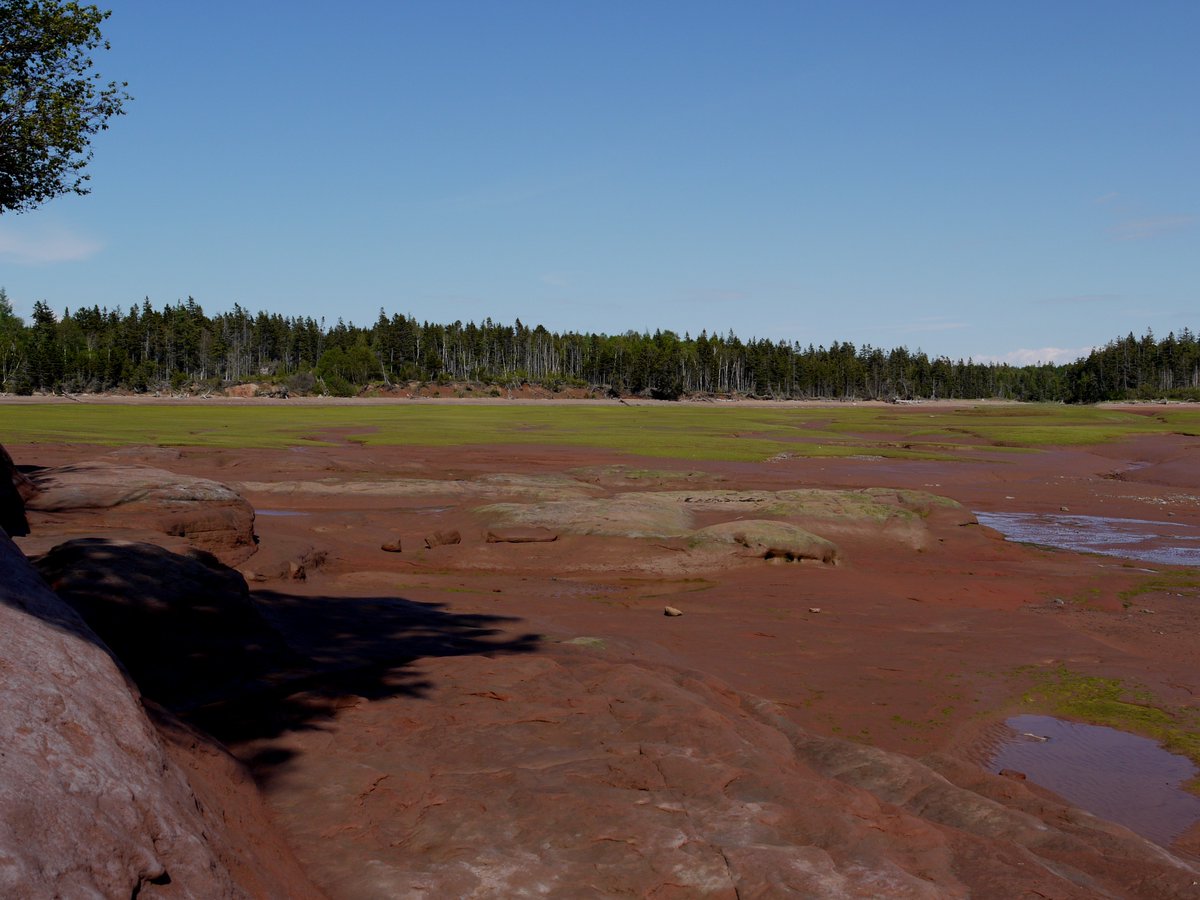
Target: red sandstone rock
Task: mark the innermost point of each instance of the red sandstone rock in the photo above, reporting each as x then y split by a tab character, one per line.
442	539
102	495
184	626
90	805
568	773
284	562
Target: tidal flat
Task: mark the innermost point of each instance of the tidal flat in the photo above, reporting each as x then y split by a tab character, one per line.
516	625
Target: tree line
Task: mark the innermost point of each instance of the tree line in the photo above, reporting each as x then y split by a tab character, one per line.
179	347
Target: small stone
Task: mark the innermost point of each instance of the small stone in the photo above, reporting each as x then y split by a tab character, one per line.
1063	509
814	609
1013	774
391	546
672	611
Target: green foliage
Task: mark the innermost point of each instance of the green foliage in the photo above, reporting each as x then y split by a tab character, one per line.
51	103
45	356
12	347
1181	581
146	346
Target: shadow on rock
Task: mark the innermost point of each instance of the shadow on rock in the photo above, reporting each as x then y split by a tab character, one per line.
14	489
250	667
355	648
183	626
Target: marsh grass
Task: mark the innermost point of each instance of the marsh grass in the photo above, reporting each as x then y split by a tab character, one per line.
683	432
1184	581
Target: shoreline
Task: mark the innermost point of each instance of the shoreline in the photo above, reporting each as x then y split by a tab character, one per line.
744	402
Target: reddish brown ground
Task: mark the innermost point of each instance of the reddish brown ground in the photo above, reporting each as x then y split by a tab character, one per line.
915	652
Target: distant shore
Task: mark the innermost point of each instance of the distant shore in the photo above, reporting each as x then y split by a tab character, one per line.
516	399
393	400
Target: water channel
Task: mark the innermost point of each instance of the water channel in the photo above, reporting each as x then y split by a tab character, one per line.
1172	543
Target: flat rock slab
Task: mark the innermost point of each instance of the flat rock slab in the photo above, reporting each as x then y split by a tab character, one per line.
872	514
569	774
491	486
99	495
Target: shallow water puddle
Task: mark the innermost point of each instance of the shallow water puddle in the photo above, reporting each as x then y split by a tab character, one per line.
1117	776
1161	542
279	512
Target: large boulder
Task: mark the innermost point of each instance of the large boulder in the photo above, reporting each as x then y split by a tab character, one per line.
768	539
90	803
183	625
99	495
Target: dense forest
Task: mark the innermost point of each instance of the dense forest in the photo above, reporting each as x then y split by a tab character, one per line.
180	348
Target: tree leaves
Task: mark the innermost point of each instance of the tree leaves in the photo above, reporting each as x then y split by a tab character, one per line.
51	102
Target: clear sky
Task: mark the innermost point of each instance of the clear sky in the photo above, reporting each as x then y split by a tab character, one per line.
967	178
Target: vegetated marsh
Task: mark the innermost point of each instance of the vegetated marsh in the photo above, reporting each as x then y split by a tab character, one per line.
685	431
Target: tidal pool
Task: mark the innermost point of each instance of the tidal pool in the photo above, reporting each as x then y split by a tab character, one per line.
1172	543
1117	776
279	512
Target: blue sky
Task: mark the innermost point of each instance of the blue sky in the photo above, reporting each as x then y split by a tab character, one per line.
996	180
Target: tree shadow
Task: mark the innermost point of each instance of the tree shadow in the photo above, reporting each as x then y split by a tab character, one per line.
351	647
248	667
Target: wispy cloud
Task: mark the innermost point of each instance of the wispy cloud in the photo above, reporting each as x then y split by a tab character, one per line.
1152	227
1033	357
45	246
